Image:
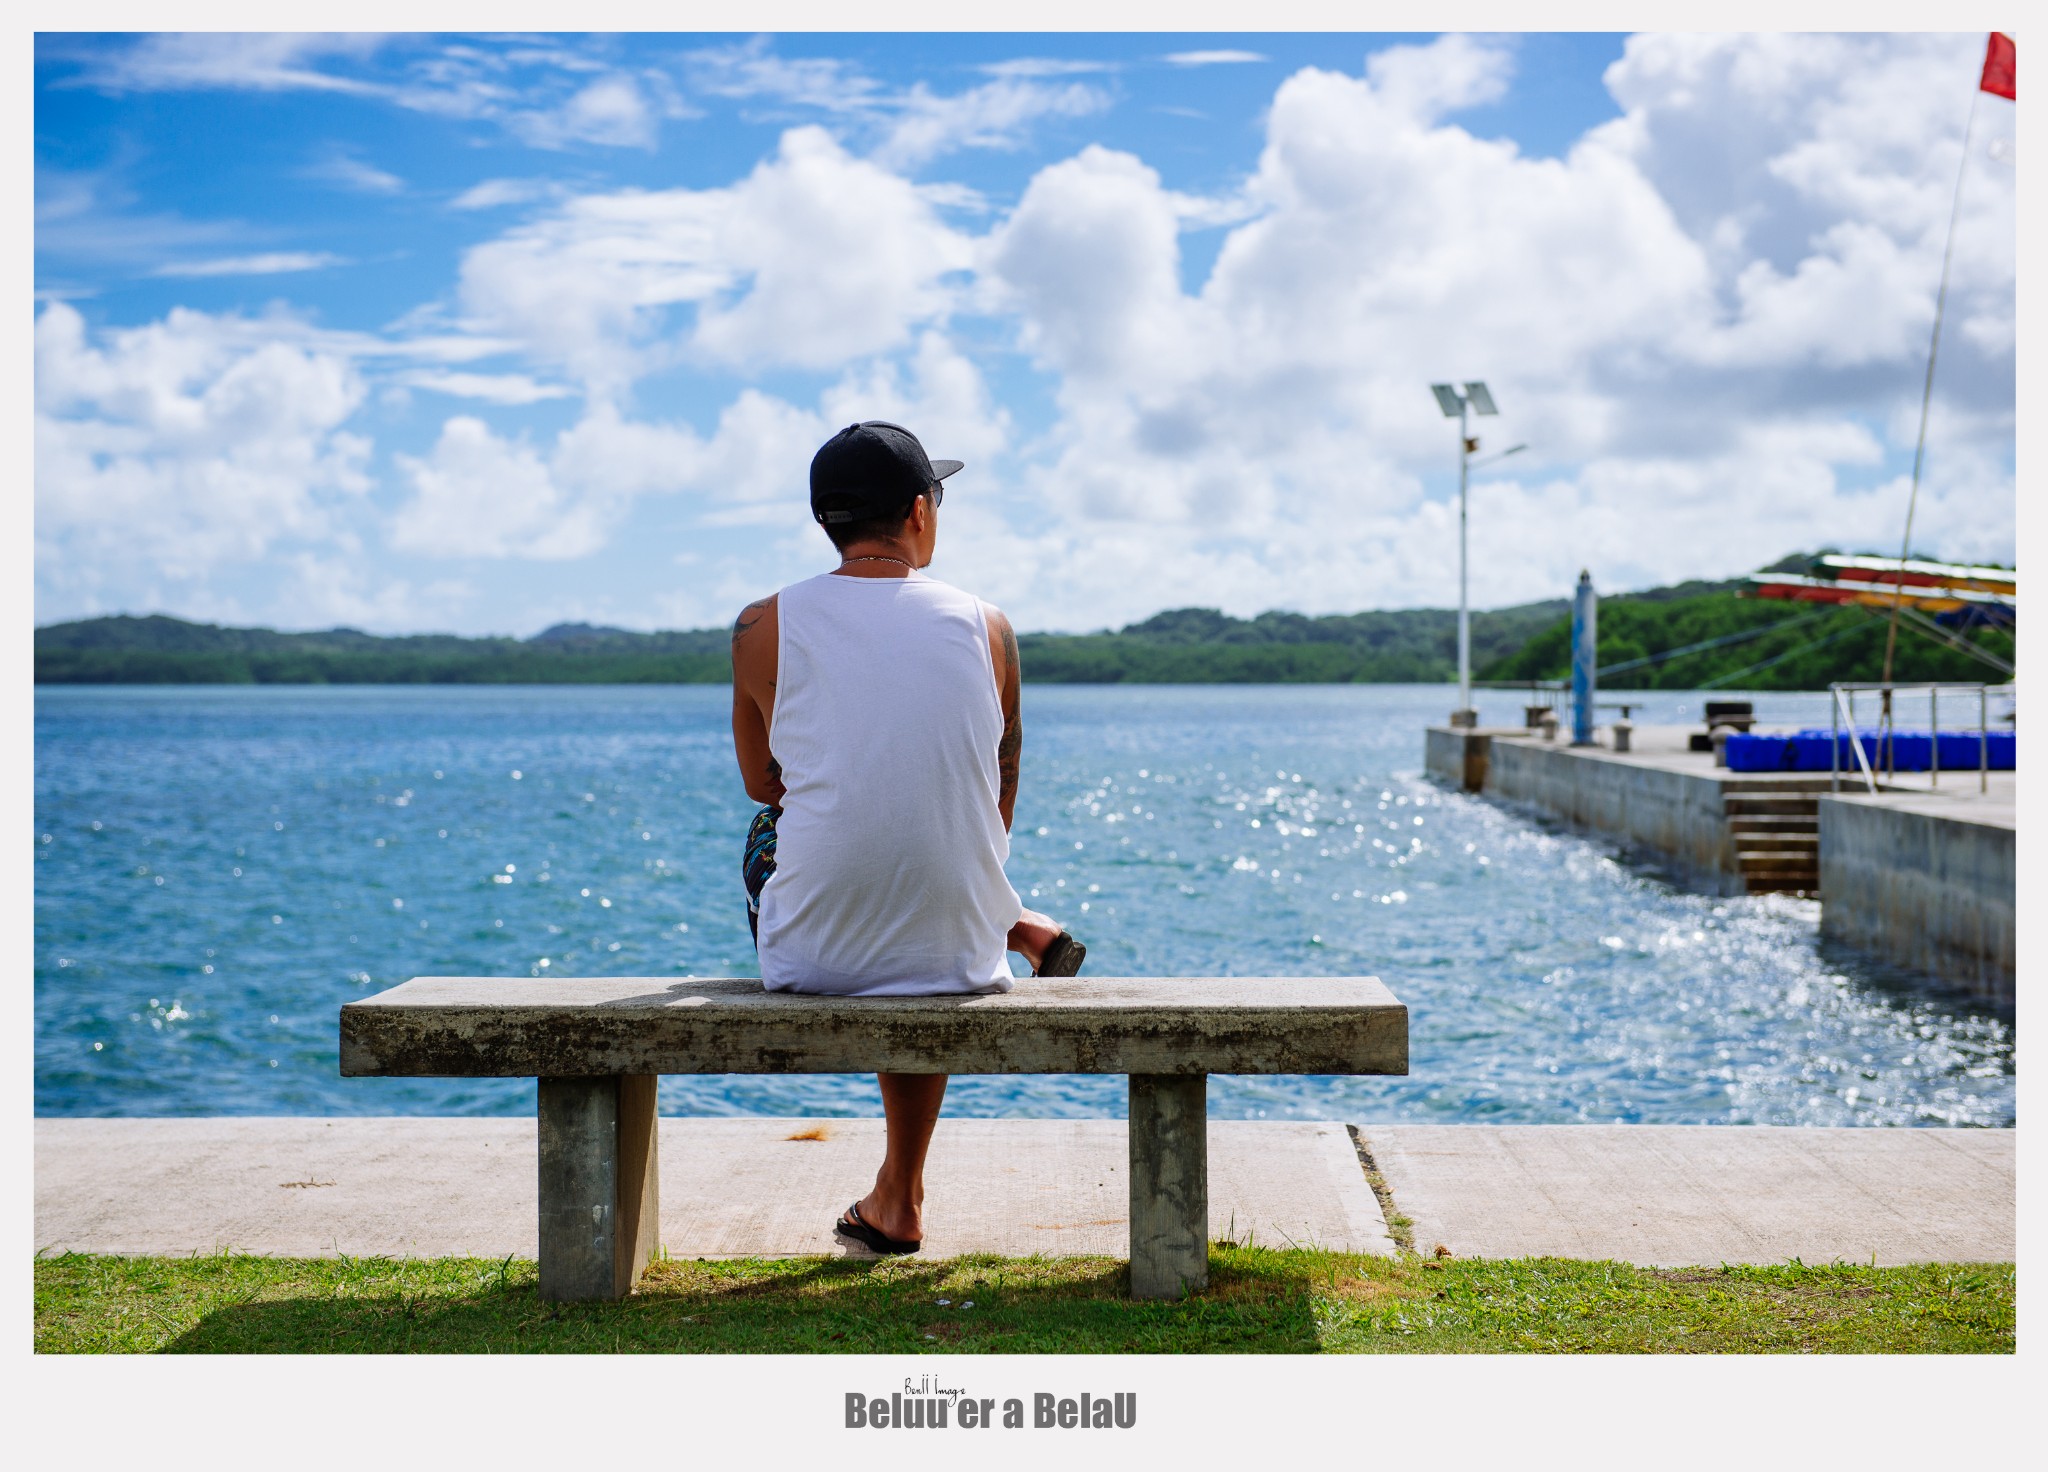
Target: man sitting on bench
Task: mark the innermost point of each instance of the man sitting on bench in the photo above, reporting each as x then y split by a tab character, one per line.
875	715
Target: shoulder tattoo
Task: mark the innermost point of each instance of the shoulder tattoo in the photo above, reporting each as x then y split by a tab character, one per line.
752	614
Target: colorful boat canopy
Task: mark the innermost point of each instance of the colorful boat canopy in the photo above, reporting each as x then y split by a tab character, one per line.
1955	593
1934	599
1916	574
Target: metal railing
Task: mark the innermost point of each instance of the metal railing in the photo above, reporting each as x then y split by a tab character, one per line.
1843	698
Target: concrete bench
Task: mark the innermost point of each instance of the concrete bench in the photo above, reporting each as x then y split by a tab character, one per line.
597	1046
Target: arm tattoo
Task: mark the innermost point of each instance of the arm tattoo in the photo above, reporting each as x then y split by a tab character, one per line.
1010	749
749	616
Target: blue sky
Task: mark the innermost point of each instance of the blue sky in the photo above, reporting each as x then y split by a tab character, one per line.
481	333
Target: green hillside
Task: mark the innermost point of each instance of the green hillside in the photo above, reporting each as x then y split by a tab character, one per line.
1203	646
1791	646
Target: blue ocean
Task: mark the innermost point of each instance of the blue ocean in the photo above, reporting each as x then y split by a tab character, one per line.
219	869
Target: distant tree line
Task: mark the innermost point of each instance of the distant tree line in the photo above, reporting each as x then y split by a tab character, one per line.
1200	646
1189	645
1796	646
168	651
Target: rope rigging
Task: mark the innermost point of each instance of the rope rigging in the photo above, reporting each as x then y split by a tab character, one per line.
1735	638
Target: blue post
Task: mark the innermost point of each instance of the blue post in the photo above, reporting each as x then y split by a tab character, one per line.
1585	684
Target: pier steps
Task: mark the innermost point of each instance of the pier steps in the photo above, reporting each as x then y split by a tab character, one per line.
1775	824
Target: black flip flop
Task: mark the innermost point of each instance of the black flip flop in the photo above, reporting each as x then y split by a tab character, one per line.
1063	956
869	1237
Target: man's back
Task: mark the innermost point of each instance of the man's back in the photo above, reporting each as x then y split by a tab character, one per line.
877	719
886	723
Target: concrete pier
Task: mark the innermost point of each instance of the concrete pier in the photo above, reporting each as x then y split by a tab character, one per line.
1926	880
1920	878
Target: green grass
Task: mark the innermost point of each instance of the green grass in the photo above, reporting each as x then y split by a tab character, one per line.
1260	1301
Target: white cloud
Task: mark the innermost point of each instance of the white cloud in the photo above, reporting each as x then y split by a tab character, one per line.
1090	260
543	94
1821	168
1214	58
480	494
477	495
181	446
272	263
939	391
350	172
204	60
1045	66
1262	441
751	70
609	111
998	114
813	259
492	388
1447	75
908	128
493	194
335	592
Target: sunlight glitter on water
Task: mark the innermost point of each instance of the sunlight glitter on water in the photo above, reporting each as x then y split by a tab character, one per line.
1207	831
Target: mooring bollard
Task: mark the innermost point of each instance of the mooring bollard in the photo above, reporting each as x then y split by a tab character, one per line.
1622	732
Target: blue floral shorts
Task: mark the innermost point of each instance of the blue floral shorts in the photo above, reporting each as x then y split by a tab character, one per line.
758	863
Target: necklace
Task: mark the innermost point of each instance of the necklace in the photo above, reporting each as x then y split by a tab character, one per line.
897	560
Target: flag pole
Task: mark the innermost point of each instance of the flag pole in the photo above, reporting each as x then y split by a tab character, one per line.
1891	636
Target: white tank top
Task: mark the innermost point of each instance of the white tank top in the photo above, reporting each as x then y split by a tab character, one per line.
889	853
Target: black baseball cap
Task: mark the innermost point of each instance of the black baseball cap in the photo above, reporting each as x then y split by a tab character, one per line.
870	468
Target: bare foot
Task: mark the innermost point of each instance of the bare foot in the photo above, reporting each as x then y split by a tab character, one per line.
1030	936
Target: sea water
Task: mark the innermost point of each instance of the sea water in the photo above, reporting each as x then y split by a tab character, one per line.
219	869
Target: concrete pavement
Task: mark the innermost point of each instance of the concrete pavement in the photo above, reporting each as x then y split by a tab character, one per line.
729	1187
1682	1195
1654	1195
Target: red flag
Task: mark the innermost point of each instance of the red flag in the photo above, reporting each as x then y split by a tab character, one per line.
1998	67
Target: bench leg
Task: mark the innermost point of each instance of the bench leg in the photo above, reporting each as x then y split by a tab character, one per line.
600	1198
1169	1184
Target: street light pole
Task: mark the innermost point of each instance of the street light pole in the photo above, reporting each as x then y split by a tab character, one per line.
1466	715
1476	399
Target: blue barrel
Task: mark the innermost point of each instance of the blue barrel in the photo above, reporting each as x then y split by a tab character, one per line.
1913	751
1909	751
1813	751
1801	751
1960	751
1749	752
1900	751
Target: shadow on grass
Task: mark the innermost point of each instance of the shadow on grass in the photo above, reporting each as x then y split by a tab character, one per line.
975	1305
